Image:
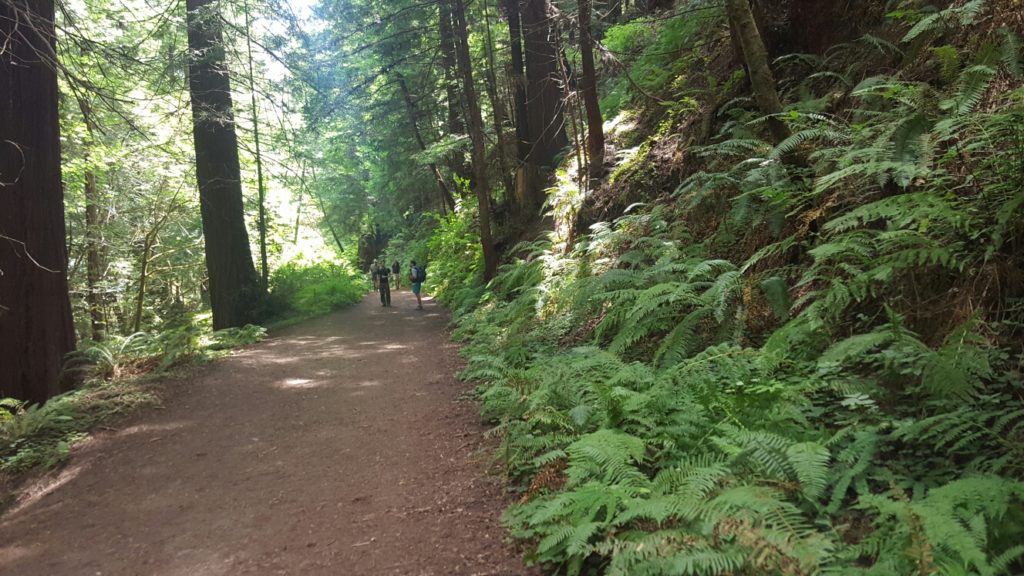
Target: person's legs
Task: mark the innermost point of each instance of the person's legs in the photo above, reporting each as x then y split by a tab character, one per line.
380	288
416	289
387	293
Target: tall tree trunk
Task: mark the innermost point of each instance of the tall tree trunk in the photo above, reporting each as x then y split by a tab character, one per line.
447	201
518	78
235	288
93	260
741	22
497	114
93	234
261	190
588	85
140	295
36	328
544	95
453	96
476	133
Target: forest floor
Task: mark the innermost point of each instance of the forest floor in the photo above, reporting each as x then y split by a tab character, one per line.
341	446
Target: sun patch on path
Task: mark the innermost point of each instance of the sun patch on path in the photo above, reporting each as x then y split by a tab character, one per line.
299	383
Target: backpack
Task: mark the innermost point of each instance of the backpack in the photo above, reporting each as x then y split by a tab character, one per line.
419	274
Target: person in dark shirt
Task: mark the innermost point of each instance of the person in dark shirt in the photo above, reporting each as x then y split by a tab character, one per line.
385	289
396	274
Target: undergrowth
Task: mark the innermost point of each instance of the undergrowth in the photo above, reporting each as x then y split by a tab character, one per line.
115	375
300	291
806	361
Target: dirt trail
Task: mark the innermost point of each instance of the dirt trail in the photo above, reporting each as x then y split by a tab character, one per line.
338	447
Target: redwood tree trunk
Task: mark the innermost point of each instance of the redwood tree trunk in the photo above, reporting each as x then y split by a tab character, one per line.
235	288
476	133
36	328
518	78
497	109
453	96
518	74
543	92
588	85
742	24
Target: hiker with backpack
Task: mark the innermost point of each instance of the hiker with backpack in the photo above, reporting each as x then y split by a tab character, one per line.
396	272
383	272
417	275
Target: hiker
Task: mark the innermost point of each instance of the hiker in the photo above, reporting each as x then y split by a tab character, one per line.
416	277
373	274
396	272
385	289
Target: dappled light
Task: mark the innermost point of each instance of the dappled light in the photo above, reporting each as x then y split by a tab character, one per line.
321	448
580	287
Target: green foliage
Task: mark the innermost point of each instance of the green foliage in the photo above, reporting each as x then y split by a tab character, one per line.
34	436
305	290
801	365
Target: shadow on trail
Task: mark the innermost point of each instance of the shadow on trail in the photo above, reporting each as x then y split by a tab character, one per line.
335	447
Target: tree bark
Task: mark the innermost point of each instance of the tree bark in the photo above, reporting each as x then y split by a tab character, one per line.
476	134
93	234
453	96
235	288
742	24
544	94
518	78
36	328
497	109
588	85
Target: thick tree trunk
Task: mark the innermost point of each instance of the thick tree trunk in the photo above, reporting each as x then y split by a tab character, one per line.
36	328
544	94
518	74
588	85
476	133
235	288
497	109
741	23
453	96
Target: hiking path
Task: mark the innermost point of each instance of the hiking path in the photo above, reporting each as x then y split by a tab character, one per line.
340	446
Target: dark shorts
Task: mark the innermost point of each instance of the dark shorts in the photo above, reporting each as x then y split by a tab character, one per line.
416	286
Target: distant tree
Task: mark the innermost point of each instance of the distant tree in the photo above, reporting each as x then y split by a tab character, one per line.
36	328
235	288
744	29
